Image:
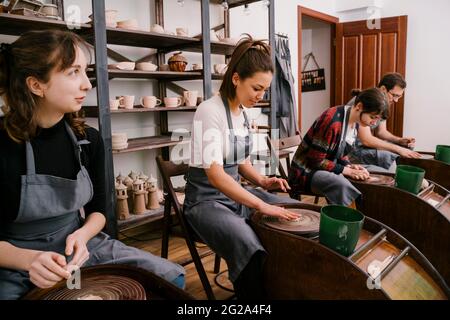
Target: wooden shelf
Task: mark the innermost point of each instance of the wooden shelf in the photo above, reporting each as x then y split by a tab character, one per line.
161	41
222	48
149	143
138	220
160	75
15	25
235	3
147	39
92	111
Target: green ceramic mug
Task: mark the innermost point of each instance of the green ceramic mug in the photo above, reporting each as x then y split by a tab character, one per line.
409	178
340	228
443	153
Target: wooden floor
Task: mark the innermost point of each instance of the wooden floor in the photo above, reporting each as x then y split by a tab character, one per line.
150	241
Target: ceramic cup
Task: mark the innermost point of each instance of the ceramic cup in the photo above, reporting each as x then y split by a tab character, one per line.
409	178
157	28
197	66
190	98
126	102
50	10
150	102
183	32
172	102
114	104
340	228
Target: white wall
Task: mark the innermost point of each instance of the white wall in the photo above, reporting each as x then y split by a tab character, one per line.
316	38
256	23
427	99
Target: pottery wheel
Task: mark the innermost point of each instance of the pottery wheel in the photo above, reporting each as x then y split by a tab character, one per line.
307	224
100	287
380	180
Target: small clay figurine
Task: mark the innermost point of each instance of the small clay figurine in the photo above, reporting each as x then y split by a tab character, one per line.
144	178
128	182
133	175
139	196
119	178
153	201
122	211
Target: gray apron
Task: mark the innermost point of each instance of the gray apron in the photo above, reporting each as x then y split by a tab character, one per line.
50	211
219	221
336	188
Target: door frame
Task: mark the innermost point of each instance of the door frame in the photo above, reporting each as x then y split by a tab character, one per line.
333	21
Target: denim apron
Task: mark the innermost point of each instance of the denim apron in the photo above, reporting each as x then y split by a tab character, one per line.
49	212
218	220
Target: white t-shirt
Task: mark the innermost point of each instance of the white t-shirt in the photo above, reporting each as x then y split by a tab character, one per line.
210	133
352	133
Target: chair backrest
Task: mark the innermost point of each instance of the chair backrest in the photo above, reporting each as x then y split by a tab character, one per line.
168	170
277	145
285	143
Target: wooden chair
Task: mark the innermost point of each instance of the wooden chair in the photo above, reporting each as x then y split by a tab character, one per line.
279	150
168	170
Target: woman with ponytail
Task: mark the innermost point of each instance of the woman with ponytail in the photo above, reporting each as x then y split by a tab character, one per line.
216	205
320	164
51	166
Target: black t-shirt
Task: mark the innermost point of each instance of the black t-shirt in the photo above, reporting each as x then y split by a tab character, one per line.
54	155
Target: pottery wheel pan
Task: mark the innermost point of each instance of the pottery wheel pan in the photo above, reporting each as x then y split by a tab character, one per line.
96	284
379	179
307	224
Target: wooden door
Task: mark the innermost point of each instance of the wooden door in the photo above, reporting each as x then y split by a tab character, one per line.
365	53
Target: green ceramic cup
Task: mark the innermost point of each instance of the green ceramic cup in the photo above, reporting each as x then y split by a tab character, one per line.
409	178
443	153
340	228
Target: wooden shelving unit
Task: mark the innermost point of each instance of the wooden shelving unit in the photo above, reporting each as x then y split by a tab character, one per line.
92	111
149	143
100	36
137	220
15	25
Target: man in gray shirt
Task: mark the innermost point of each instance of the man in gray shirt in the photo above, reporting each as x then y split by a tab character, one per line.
376	146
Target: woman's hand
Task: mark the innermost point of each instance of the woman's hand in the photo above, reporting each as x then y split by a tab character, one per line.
274	183
47	269
76	244
279	212
356	172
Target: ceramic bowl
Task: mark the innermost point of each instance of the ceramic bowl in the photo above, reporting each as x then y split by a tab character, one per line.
157	28
125	65
130	24
146	66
